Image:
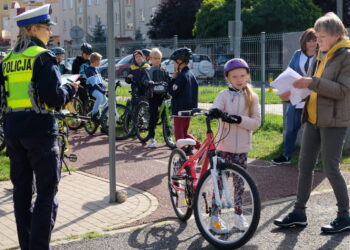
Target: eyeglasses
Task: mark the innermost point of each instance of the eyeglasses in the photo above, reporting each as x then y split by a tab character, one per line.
48	28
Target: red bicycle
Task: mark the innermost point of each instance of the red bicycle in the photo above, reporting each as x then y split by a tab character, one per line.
224	197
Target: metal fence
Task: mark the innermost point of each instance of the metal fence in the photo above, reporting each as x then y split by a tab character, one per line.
262	52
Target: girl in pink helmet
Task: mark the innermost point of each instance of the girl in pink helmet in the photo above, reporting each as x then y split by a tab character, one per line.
235	139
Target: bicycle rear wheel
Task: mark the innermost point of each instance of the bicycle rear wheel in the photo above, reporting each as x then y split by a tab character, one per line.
181	191
89	125
142	121
220	226
75	106
123	123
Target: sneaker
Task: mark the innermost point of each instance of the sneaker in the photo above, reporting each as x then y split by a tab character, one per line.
95	117
152	143
217	225
281	160
340	224
241	222
295	218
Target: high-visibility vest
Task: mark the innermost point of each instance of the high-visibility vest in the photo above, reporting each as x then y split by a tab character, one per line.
17	69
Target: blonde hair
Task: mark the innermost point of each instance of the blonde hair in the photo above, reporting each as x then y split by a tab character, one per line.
248	93
331	24
156	52
95	57
23	38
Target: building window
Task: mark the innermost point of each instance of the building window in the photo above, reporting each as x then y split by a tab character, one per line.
64	25
142	16
89	2
71	23
64	2
71	4
97	1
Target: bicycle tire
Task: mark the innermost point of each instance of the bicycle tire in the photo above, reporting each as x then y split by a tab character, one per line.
168	131
142	121
122	129
250	206
75	106
173	165
90	126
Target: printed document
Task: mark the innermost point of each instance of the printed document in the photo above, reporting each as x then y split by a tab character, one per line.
284	82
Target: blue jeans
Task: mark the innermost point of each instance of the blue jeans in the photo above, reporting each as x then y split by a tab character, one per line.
101	100
293	125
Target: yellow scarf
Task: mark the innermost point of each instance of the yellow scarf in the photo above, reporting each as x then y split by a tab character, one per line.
312	103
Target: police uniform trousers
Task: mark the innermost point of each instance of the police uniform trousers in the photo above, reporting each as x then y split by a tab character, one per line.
38	155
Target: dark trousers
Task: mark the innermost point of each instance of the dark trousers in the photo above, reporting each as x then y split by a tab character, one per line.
154	104
329	141
181	125
39	155
292	127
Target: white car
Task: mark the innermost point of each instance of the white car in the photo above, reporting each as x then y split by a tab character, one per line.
200	65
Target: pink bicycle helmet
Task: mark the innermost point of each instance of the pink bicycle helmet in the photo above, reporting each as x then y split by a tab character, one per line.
235	63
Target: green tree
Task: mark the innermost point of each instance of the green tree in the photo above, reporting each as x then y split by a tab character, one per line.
173	17
271	16
98	33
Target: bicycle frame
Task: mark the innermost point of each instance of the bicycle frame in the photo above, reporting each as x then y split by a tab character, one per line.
165	107
207	148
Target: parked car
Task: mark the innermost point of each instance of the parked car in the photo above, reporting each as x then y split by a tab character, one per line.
200	65
104	67
219	65
121	67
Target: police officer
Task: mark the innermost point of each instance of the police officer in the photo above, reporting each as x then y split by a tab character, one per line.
33	89
60	53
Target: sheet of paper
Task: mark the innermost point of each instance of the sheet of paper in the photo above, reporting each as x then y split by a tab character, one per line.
67	78
283	83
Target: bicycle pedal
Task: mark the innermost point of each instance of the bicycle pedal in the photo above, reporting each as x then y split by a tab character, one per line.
178	177
72	157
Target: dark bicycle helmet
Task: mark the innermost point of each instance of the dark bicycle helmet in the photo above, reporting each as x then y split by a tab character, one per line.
183	54
58	50
146	52
86	48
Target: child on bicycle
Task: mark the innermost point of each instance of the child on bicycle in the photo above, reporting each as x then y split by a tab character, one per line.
95	85
156	94
234	137
183	88
136	73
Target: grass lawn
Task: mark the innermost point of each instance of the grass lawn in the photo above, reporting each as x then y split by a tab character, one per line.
4	166
207	94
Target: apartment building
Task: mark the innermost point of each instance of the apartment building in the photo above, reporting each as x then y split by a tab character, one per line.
130	16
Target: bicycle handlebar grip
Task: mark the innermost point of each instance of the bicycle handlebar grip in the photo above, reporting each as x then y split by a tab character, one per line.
185	113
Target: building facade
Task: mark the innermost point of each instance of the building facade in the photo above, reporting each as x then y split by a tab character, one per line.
130	17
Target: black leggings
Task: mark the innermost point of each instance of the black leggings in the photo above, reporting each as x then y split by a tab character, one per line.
154	104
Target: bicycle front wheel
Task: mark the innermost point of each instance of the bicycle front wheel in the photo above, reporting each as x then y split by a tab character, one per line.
180	188
123	122
168	130
233	223
142	121
90	126
75	106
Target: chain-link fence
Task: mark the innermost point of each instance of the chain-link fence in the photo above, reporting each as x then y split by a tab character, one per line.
262	52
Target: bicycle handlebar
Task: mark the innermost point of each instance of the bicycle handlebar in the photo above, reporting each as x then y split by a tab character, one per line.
197	111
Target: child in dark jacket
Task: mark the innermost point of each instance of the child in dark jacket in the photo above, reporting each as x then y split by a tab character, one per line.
136	73
184	91
155	74
95	85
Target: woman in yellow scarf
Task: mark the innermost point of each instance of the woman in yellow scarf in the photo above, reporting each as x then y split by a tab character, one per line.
326	116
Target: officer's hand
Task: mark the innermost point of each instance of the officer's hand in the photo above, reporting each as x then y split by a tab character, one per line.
175	74
130	76
75	85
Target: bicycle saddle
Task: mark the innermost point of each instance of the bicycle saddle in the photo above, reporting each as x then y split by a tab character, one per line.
184	142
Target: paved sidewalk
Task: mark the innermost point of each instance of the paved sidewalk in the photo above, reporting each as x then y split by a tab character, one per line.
84	207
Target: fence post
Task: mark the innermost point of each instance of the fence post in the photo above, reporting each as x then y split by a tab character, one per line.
175	41
263	69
